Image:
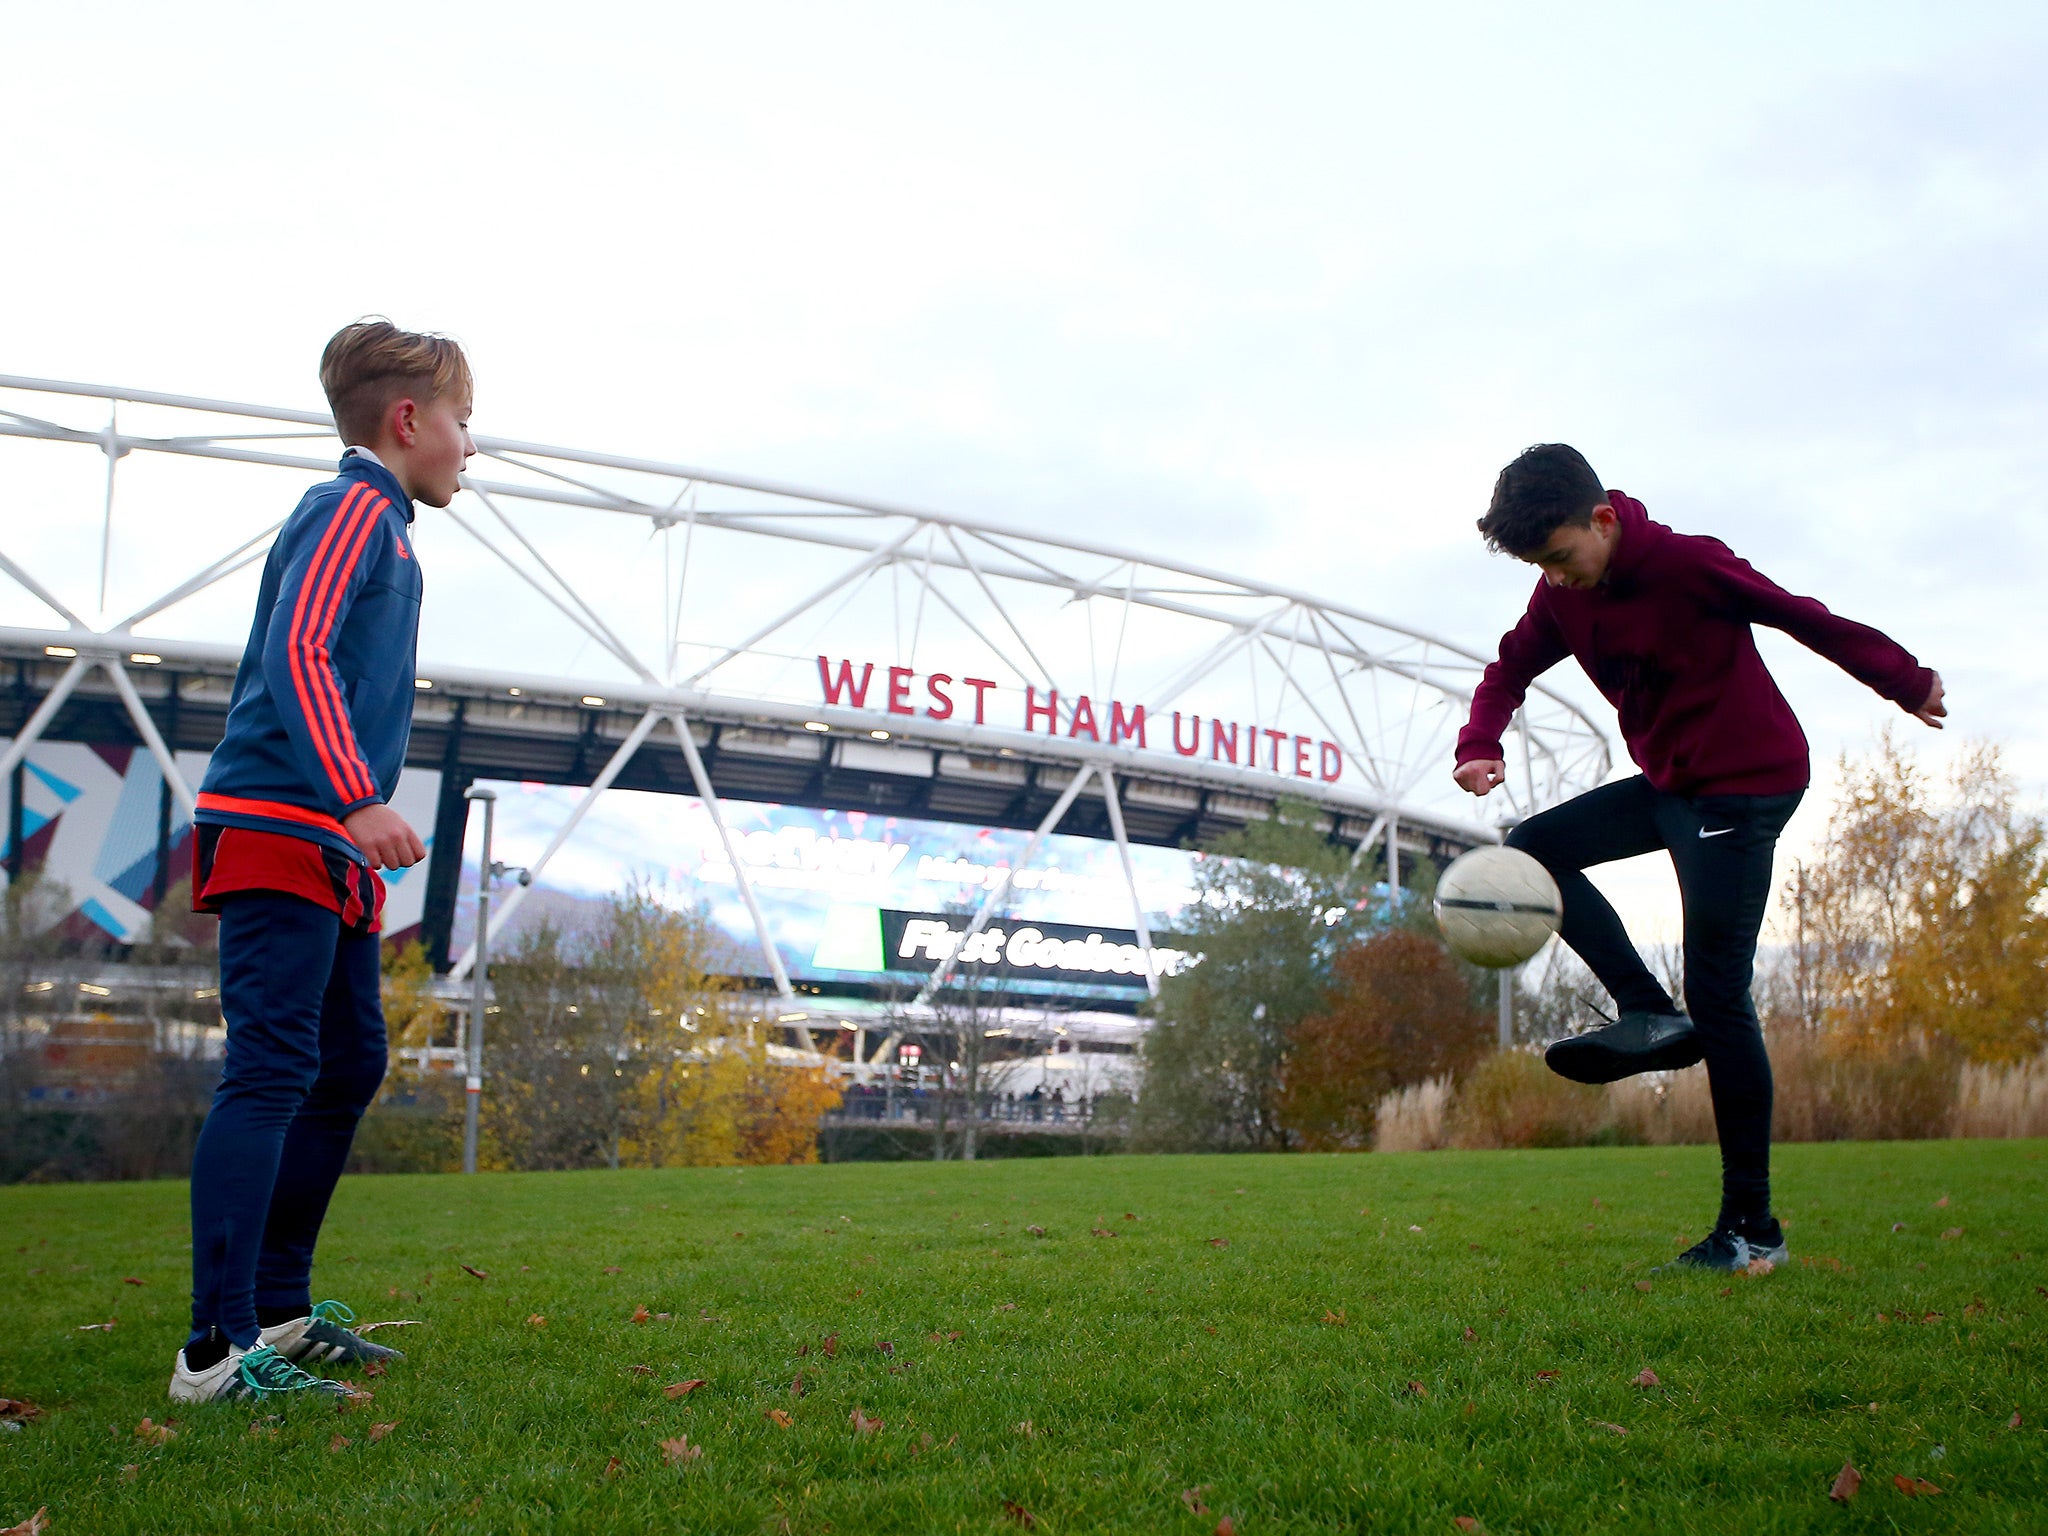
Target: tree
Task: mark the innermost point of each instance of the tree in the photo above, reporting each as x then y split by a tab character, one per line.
1398	1012
1276	902
1926	913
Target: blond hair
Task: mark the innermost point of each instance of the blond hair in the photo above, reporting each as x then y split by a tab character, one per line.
372	363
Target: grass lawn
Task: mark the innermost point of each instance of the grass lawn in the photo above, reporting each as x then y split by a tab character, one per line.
1382	1343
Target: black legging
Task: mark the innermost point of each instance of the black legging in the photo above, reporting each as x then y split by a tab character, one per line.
1721	846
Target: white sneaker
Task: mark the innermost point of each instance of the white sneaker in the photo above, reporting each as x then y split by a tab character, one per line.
216	1384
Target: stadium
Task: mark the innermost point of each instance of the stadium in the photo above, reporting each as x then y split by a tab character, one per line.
885	746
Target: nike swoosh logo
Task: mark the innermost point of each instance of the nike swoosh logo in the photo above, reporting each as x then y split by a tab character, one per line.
1717	832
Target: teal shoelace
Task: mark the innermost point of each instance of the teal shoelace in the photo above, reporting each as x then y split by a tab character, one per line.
336	1312
264	1372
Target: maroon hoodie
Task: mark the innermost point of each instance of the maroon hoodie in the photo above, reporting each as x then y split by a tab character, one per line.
1666	638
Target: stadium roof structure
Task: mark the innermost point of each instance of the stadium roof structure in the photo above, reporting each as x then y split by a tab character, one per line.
601	620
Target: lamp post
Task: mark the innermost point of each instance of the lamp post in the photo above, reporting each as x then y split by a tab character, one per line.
475	1086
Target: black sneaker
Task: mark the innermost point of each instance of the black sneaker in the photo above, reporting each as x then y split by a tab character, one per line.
1732	1252
1636	1042
323	1338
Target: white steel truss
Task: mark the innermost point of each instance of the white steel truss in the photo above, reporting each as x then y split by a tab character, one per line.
545	581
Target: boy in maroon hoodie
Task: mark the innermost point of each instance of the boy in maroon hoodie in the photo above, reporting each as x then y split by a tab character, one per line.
1661	623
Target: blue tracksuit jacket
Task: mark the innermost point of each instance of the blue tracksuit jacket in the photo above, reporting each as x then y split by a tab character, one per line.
322	707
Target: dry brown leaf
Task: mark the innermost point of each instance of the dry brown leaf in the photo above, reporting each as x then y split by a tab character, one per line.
862	1424
375	1368
830	1346
1759	1267
640	1315
35	1523
1898	1226
1025	1428
536	1321
1847	1481
1648	1378
128	1472
679	1450
1336	1319
131	1280
885	1346
1102	1232
106	1327
264	1429
1007	1306
154	1433
1192	1497
641	1370
1130	1215
1603	1424
1951	1234
19	1409
780	1419
682	1388
1471	1337
1036	1231
1219	1242
1548	1375
471	1269
1466	1523
2014	1421
339	1443
1417	1389
613	1466
379	1431
1226	1527
612	1269
1941	1204
397	1322
1642	1285
796	1386
1020	1514
1913	1487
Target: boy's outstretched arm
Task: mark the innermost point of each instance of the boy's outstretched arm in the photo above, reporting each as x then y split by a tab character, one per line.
1527	651
1868	655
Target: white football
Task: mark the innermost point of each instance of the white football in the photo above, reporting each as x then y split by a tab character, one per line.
1497	906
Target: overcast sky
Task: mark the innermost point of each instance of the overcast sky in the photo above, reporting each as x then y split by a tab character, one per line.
1275	288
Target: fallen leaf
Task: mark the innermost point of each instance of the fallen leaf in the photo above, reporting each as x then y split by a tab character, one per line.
1102	1232
1951	1234
536	1321
1336	1319
641	1370
1471	1337
613	1466
739	1234
679	1450
1759	1267
862	1424
2014	1421
1913	1487
1466	1523
1414	1229
777	1417
34	1524
1365	1210
640	1315
682	1388
1007	1306
127	1476
612	1269
1648	1379
1036	1231
131	1280
106	1327
1025	1429
1642	1285
340	1442
473	1270
1603	1424
831	1346
19	1409
1219	1242
1020	1514
379	1431
1225	1527
1548	1375
400	1322
1417	1389
1847	1481
1192	1497
1898	1226
796	1387
1130	1215
154	1433
374	1368
885	1346
1941	1204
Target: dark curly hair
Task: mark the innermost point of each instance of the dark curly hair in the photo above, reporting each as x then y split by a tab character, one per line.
1544	489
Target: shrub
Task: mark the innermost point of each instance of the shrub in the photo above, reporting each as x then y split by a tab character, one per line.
1512	1100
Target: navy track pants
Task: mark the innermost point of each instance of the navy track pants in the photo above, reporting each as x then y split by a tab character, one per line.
305	1053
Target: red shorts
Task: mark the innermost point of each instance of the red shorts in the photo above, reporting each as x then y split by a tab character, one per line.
231	859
